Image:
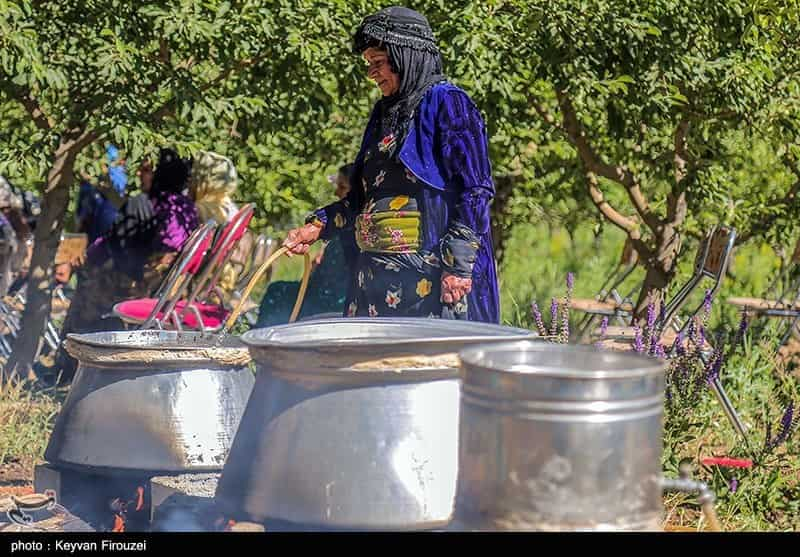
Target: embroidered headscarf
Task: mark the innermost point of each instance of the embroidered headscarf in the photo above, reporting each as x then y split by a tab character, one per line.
413	55
213	181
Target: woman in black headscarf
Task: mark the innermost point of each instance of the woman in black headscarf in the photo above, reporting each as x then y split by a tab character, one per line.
421	186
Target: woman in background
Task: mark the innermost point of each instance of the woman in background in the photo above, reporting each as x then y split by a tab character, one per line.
329	281
131	259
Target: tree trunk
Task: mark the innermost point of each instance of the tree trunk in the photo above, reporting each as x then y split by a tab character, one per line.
46	239
660	271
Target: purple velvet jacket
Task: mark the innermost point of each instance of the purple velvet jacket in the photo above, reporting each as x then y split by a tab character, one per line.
447	149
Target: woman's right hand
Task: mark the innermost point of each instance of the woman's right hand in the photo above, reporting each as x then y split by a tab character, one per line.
299	240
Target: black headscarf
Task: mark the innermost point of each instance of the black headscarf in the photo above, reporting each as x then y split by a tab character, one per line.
171	173
413	55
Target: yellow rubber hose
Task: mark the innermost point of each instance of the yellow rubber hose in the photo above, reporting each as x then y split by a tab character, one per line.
261	270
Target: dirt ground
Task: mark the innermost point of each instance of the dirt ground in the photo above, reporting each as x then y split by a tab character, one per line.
16	479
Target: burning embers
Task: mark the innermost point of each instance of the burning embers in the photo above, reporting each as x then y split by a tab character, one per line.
108	502
128	502
122	509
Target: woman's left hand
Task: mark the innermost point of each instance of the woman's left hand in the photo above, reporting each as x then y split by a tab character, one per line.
454	288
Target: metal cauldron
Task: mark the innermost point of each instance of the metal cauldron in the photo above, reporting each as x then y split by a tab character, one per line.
353	423
156	401
559	438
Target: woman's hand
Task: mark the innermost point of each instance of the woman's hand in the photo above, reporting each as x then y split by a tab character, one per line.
299	240
454	288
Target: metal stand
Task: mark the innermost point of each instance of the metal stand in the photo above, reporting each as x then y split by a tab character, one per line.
727	406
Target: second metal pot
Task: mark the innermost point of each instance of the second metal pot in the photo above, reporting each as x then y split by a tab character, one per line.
353	423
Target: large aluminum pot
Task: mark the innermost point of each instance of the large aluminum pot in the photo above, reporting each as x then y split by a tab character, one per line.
156	401
353	423
559	438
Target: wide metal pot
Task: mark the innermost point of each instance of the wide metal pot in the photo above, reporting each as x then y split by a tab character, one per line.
353	423
559	438
155	401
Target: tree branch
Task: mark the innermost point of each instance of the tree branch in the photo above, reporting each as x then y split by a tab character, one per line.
613	216
595	164
166	108
616	218
25	96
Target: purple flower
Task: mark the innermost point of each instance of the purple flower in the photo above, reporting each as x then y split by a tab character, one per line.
733	485
651	316
553	317
659	351
564	336
713	368
786	428
677	345
537	317
638	341
740	332
707	300
786	423
604	326
653	346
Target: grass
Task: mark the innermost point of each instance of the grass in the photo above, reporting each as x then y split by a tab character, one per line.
27	415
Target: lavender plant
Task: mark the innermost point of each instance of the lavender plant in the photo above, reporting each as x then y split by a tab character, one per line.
788	425
558	330
691	365
767	492
537	319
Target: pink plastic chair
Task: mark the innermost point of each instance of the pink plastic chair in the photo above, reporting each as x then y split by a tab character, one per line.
158	310
195	312
192	311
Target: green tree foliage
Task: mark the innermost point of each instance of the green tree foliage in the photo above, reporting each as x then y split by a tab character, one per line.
677	114
145	74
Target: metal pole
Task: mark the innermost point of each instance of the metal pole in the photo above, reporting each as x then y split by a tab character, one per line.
727	406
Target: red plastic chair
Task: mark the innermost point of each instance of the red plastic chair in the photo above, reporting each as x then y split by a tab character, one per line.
186	311
194	312
146	312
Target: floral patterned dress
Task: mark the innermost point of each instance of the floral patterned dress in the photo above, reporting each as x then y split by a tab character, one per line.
394	277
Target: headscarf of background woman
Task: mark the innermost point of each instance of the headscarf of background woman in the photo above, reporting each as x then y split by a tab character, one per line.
213	181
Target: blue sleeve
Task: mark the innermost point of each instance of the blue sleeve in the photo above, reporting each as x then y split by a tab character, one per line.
467	171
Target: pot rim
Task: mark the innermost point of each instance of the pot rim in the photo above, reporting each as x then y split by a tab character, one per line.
96	339
120	349
478	359
270	337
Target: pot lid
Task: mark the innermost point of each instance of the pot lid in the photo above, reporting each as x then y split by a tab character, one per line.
378	332
129	348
